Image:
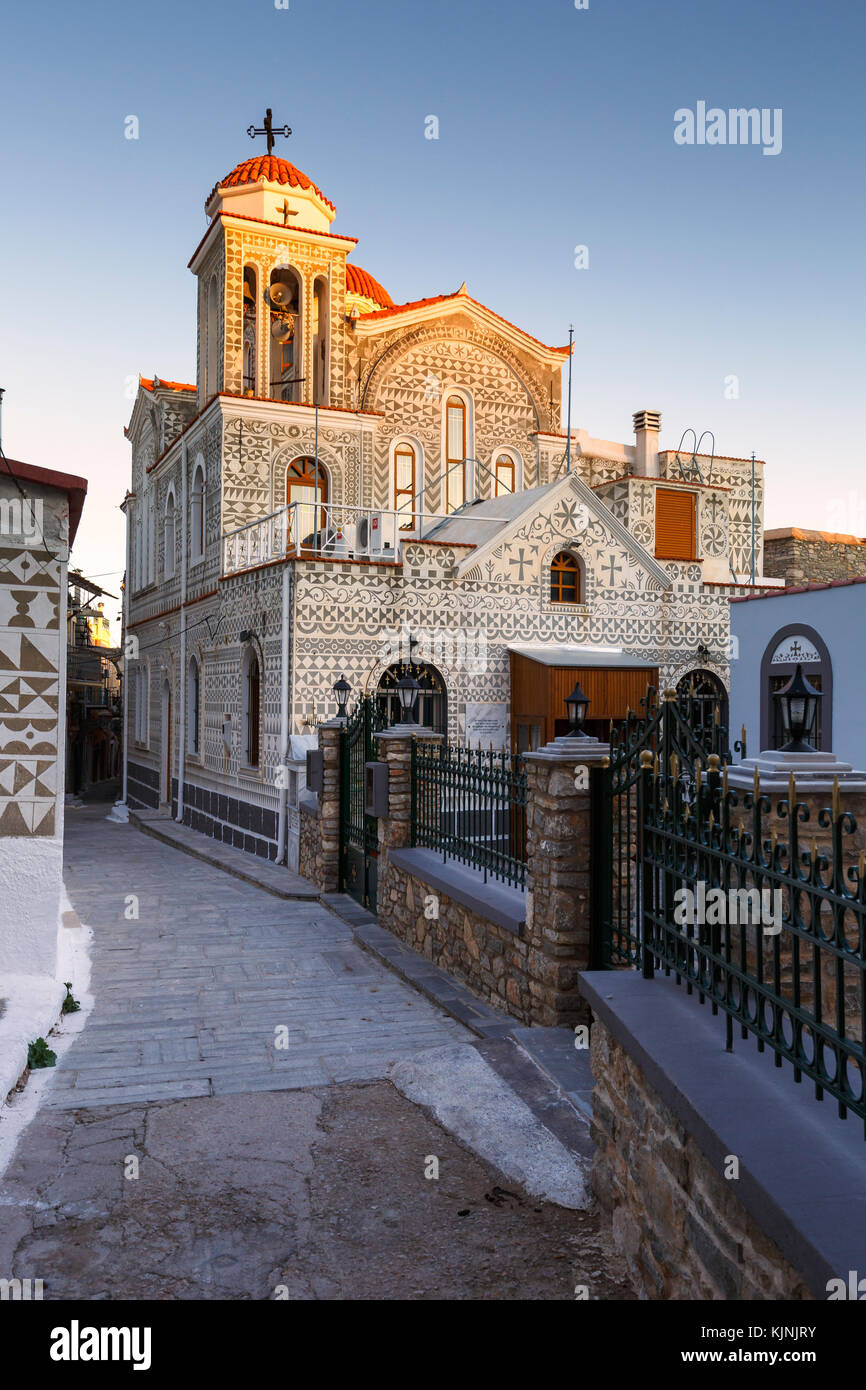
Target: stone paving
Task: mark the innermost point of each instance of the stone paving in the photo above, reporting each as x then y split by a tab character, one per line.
191	993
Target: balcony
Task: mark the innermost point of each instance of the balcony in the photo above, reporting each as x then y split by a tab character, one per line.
343	533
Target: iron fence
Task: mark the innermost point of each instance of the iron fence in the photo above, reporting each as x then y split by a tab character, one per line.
777	940
470	805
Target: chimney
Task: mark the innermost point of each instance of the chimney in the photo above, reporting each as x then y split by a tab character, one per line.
647	424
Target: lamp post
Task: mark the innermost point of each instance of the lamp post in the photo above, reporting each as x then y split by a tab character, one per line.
798	704
407	693
577	704
341	690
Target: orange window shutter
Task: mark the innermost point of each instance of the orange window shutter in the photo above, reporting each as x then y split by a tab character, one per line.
675	524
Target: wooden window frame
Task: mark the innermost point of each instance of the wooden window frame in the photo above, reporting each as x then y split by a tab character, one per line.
558	571
403	451
508	461
453	402
664	554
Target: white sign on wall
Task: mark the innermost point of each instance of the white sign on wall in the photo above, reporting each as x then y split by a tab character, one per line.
486	724
793	649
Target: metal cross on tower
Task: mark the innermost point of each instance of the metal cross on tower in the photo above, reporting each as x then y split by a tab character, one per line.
268	130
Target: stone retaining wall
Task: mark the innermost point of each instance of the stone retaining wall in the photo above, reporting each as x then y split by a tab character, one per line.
813	557
677	1221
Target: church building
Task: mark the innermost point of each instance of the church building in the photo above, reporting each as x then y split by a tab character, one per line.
353	488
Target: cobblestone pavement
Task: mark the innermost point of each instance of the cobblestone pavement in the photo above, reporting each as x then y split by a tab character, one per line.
179	1155
190	995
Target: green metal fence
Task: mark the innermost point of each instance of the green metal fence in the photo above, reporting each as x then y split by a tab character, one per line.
790	968
732	894
469	804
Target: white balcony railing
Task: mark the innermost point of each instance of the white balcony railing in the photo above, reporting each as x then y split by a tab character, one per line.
343	533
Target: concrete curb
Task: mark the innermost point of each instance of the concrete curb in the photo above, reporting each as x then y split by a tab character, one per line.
174	837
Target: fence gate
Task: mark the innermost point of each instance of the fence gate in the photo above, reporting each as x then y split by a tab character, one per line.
623	881
359	833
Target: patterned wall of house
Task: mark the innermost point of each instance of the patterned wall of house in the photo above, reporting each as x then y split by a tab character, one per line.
32	649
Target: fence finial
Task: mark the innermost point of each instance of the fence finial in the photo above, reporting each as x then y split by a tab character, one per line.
792	794
669	696
756	784
646	758
837	799
675	766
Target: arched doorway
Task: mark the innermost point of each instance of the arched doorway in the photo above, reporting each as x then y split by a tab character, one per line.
704	699
431	709
306	485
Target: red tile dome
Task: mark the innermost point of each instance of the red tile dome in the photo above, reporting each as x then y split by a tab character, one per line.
360	281
268	166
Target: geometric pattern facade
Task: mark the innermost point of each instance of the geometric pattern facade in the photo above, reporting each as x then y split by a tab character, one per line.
31	643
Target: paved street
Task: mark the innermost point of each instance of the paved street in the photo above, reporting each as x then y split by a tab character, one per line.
190	996
158	1165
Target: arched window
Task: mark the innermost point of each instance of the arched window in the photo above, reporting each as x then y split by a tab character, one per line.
252	709
793	646
404	485
565	579
197	514
455	452
250	324
284	298
321	305
193	715
211	382
306	486
505	474
169	537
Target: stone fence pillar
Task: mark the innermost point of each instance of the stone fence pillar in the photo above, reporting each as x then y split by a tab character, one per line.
320	830
395	749
558	853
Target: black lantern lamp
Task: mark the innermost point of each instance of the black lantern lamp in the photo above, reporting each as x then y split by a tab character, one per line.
798	703
342	690
577	704
407	693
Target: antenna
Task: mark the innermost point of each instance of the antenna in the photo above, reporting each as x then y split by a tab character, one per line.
568	435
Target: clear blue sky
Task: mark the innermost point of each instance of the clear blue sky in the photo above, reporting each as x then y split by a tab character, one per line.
556	130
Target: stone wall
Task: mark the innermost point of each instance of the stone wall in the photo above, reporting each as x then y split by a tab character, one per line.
677	1221
812	557
319	845
309	844
490	959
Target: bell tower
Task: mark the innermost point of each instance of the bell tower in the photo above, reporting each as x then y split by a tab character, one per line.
272	285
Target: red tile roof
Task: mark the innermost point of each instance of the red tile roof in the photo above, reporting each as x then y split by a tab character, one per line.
360	281
801	589
147	383
74	487
457	294
268	166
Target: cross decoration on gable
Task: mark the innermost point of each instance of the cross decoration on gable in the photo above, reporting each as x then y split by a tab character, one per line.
269	130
